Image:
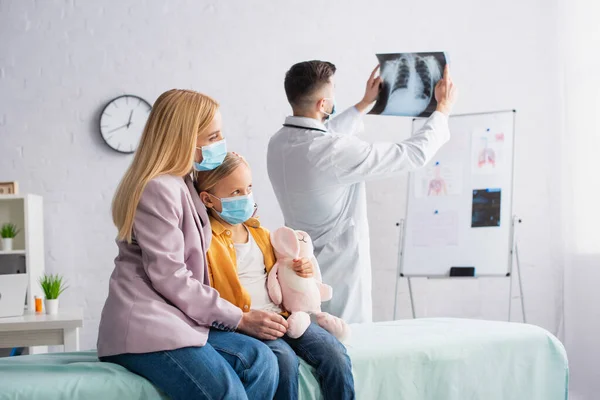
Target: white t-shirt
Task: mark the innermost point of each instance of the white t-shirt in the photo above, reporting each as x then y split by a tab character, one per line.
253	275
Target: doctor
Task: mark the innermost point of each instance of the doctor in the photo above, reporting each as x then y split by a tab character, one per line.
318	169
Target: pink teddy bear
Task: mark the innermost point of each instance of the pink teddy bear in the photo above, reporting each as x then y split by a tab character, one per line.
300	296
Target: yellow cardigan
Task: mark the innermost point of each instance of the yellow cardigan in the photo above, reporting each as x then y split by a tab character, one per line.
222	263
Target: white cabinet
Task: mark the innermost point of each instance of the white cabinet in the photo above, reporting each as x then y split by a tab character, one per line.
27	256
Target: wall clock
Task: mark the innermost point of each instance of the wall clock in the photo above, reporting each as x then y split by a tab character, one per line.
122	122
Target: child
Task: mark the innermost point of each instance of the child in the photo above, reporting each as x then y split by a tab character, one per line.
240	257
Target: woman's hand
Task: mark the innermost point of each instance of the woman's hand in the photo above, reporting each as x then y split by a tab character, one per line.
303	268
264	325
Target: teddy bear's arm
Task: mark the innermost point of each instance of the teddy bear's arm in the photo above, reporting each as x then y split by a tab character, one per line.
273	286
326	292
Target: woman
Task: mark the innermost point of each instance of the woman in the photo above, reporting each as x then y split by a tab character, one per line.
240	258
162	320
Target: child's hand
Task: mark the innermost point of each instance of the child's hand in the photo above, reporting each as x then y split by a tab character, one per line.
303	268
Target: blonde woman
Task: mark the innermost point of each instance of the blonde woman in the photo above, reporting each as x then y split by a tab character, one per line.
162	320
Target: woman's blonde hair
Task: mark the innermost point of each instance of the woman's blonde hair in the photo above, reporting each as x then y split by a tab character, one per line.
207	180
167	147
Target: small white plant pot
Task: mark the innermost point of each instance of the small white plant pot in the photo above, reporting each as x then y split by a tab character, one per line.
7	244
51	306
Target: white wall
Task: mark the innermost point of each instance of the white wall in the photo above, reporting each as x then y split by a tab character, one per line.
60	62
580	45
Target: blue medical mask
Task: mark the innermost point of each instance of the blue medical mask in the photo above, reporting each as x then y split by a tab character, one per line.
332	113
236	210
212	156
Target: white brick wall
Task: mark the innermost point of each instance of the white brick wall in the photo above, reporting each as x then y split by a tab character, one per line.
61	61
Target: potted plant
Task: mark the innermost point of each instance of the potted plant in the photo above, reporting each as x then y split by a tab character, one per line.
53	286
8	233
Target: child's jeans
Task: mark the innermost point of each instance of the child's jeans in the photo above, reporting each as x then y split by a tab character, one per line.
322	351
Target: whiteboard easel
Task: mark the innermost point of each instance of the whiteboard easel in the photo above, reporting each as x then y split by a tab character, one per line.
445	229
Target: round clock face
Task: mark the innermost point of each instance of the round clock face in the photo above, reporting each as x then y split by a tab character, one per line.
122	122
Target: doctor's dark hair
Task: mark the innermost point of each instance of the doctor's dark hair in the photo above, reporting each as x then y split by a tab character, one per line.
304	78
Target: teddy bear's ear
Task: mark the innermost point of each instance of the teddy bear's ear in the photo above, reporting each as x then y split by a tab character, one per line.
285	242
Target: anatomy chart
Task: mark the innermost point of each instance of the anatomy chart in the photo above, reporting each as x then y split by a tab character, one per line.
487	151
409	81
440	179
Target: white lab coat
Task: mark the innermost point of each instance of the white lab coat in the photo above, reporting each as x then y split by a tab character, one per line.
318	173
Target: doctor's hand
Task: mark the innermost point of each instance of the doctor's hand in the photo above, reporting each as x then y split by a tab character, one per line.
371	92
303	268
264	325
445	93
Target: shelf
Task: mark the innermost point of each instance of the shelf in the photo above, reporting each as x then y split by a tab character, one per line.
12	196
27	212
11	252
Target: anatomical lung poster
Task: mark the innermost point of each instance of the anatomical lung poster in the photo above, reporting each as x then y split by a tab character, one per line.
487	151
439	179
409	81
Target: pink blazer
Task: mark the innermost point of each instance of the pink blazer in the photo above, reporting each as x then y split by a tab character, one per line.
159	293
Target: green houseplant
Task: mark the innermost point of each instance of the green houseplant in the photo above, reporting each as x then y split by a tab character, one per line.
8	232
53	286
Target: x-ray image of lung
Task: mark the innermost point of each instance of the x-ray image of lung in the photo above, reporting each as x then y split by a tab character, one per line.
486	208
409	81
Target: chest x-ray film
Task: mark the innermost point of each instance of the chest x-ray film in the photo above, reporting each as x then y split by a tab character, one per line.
409	81
486	208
